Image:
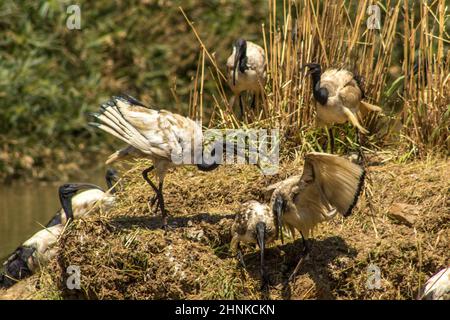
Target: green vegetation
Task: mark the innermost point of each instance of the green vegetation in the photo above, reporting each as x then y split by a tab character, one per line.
51	77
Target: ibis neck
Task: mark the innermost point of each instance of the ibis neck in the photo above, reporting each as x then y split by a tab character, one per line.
110	182
243	60
320	94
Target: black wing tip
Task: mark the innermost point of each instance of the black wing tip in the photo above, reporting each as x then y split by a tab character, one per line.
131	100
357	193
124	97
94	124
93	114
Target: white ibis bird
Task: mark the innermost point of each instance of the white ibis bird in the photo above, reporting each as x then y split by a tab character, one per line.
254	223
437	287
328	184
80	204
40	248
246	69
166	138
340	95
33	253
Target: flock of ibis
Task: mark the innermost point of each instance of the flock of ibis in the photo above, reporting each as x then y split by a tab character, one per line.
328	185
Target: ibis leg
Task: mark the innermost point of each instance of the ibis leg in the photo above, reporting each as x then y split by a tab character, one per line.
145	174
241	107
330	133
240	256
161	205
158	192
361	157
305	255
253	104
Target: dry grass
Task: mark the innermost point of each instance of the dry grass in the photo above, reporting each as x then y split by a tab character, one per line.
426	112
334	33
125	255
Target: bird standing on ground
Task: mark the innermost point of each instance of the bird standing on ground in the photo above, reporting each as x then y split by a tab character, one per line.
254	223
340	95
329	184
82	203
166	138
246	69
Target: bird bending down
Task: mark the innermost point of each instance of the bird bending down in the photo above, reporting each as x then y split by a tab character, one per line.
166	138
31	255
37	251
329	184
246	69
340	95
254	223
437	287
82	203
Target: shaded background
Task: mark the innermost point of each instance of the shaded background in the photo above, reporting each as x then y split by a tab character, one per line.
51	76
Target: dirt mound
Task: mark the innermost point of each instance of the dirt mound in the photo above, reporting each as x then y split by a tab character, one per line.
125	255
119	261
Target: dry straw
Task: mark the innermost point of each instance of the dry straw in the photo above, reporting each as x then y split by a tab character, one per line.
335	34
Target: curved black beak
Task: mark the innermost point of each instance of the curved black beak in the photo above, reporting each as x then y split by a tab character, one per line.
260	237
278	208
111	178
67	191
310	66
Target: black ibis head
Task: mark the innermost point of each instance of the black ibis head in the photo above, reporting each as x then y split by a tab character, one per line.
67	191
111	177
314	68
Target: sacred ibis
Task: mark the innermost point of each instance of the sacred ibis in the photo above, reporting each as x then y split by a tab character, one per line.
166	138
329	184
81	203
33	253
339	95
246	69
254	223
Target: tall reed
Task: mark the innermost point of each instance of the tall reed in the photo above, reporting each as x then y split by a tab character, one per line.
335	33
426	66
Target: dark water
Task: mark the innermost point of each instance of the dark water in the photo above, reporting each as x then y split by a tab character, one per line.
25	207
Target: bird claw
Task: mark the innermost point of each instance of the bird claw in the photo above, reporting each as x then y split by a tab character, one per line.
165	224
